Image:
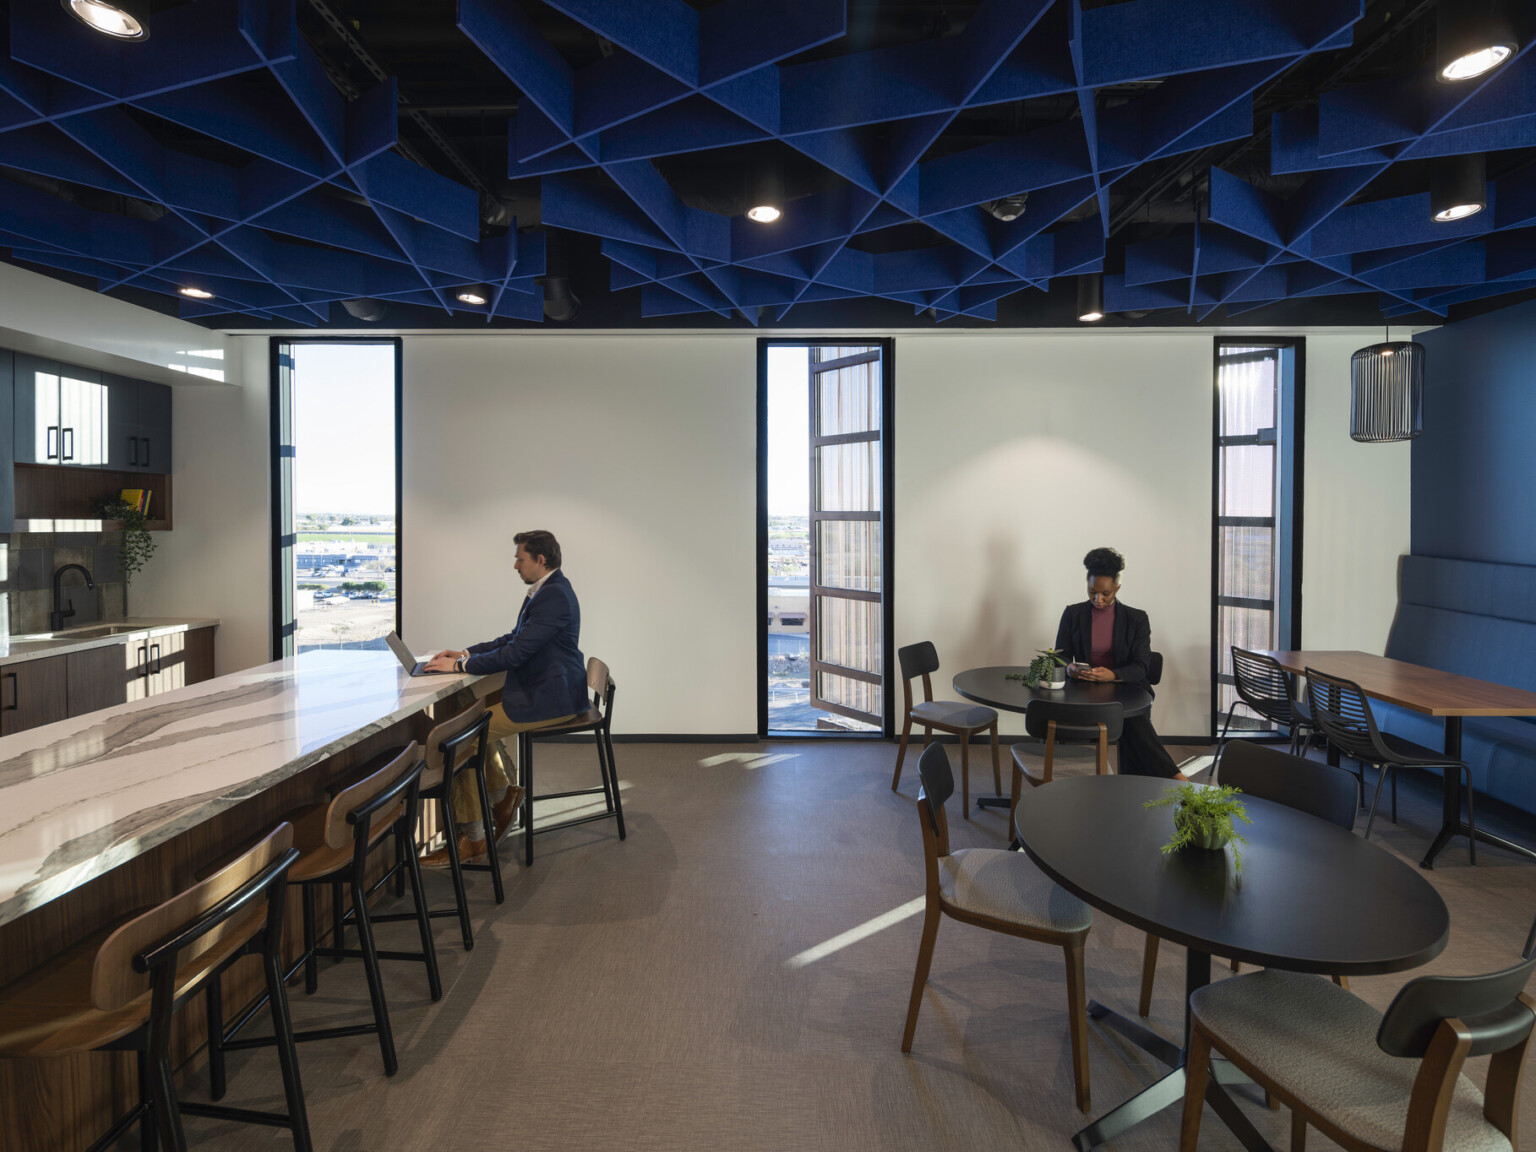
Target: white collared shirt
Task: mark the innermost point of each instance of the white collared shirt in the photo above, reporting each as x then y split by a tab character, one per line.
539	583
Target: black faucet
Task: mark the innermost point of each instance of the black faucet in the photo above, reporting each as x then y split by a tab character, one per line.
57	617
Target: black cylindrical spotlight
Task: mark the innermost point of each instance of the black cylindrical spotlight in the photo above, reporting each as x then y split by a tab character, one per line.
1090	297
364	309
114	20
475	295
560	303
1472	37
1458	187
765	195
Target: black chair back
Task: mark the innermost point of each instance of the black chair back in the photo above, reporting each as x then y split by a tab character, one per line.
1309	786
938	780
1487	1005
918	659
1263	685
1076	723
1155	669
1342	713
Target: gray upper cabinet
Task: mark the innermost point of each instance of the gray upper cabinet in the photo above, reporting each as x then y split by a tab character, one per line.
7	447
138	425
60	413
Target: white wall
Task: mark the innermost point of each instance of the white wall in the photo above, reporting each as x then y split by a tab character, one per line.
1016	453
639	454
1355	522
1015	456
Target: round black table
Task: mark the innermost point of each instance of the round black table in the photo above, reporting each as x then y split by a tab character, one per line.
1310	897
992	687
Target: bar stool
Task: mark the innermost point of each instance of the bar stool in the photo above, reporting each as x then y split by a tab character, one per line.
598	720
118	991
334	841
459	744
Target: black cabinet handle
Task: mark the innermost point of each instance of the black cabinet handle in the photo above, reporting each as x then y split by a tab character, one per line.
155	656
133	451
146	451
53	446
15	703
69	452
143	669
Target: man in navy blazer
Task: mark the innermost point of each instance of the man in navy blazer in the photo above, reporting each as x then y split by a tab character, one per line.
546	682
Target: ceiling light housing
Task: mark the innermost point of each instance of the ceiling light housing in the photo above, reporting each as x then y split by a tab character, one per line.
764	213
475	297
1472	37
1008	209
195	293
363	308
1458	187
108	19
1090	297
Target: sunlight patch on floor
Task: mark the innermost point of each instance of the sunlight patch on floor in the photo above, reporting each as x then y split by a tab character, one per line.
854	935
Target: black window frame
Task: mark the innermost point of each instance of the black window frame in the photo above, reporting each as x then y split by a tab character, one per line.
1297	345
283	630
887	346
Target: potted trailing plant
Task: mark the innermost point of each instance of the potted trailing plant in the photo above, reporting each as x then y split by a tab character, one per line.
136	546
1047	670
1203	817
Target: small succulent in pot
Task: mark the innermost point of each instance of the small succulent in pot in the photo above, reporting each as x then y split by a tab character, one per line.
1203	817
1048	666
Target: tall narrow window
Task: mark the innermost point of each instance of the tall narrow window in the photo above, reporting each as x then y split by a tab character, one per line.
1257	531
824	496
336	494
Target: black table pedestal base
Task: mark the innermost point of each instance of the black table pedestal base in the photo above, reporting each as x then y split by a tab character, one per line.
1169	1090
993	801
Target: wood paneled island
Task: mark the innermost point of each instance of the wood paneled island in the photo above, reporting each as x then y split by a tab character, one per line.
118	809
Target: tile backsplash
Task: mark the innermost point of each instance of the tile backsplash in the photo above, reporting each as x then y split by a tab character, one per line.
28	561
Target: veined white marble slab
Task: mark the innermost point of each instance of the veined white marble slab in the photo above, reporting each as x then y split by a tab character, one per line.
15	649
82	796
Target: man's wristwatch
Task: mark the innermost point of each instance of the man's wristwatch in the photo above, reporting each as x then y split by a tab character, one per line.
458	664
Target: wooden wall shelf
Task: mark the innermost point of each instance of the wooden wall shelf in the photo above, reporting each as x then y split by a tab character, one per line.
53	492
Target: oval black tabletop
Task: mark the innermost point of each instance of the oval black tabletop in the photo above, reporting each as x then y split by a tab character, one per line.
991	686
1310	897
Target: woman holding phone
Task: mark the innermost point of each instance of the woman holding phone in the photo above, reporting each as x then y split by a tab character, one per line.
1106	641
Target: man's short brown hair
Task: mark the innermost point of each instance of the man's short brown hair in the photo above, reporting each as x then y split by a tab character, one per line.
542	544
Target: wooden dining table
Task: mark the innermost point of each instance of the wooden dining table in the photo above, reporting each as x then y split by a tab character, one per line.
1433	693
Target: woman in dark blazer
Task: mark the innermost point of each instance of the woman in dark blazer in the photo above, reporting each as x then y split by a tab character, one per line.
1115	640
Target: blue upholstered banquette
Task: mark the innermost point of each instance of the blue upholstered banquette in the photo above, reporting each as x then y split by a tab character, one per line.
1479	620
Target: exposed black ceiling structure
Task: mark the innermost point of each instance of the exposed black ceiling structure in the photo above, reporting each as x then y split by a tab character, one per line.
590	163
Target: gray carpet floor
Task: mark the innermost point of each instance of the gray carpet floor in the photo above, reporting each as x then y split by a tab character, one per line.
680	990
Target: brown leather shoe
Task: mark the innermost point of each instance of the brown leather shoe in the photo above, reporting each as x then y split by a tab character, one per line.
469	850
504	809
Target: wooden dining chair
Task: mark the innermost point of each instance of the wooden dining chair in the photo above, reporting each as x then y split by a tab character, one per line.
962	720
999	890
1370	1081
1266	773
119	990
1064	722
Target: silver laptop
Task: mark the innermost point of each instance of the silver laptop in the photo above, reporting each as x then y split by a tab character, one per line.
408	661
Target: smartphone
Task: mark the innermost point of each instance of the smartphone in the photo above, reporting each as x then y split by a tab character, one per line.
1077	668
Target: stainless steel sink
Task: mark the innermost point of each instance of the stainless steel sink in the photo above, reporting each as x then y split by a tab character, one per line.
89	632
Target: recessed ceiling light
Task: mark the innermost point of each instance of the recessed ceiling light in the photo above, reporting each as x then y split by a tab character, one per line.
196	293
764	213
470	296
1476	63
108	19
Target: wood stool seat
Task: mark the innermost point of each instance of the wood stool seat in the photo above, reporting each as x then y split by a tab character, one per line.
318	860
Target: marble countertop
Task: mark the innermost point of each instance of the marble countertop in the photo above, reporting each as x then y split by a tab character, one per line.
15	649
82	796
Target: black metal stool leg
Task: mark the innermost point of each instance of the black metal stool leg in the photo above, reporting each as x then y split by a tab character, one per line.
149	1135
370	957
311	962
488	823
602	769
455	865
1393	770
287	1052
613	780
525	776
338	919
1471	819
214	1001
423	919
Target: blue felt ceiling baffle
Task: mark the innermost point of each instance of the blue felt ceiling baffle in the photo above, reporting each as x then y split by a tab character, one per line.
1386	393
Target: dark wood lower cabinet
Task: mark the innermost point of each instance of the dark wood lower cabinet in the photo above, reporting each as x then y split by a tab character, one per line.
38	692
32	692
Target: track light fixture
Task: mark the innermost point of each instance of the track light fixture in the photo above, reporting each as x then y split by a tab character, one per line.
1472	37
195	293
766	196
1008	209
108	19
475	296
1458	187
1090	297
364	309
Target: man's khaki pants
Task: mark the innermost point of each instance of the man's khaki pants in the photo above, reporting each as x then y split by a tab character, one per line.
466	798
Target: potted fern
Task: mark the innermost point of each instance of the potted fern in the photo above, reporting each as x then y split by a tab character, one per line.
136	546
1203	817
1047	670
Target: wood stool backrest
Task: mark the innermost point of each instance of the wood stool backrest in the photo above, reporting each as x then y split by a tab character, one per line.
114	983
338	832
447	730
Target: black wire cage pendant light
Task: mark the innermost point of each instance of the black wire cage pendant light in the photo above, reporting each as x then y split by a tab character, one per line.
1386	392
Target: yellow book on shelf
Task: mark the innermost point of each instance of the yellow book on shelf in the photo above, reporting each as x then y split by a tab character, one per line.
133	497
